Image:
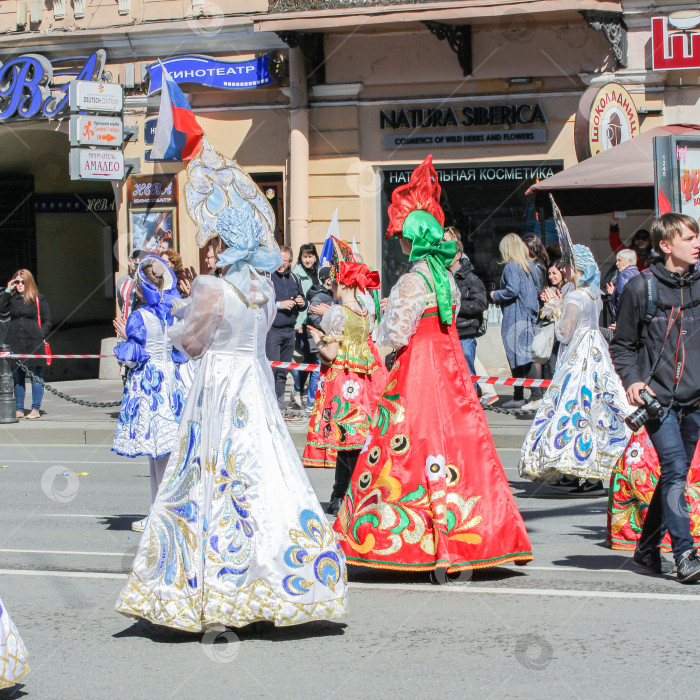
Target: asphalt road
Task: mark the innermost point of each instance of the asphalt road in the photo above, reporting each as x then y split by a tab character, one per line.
582	621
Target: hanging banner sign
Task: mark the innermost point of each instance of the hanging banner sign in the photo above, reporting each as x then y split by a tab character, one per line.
88	130
202	70
95	97
675	41
97	164
25	85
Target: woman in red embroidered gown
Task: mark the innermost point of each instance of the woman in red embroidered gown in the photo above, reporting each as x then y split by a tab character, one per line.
632	485
352	376
428	491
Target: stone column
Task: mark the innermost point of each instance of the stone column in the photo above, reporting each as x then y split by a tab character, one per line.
298	176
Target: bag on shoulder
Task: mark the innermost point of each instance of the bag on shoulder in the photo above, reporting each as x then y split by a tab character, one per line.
543	342
47	347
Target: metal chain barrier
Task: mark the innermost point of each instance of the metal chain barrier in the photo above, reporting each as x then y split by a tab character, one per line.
509	411
61	395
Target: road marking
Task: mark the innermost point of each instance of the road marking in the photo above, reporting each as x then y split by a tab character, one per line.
82	515
553	569
49	551
468	588
418	587
61	574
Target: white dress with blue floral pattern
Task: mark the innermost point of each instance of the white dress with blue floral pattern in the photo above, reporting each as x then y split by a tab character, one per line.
236	533
154	394
13	655
579	427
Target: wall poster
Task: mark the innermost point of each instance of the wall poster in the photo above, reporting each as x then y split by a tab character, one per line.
152	205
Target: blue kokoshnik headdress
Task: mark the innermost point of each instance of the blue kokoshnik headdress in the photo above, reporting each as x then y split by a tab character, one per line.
224	201
156	300
585	262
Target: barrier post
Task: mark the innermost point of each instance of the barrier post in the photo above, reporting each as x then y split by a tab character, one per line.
8	405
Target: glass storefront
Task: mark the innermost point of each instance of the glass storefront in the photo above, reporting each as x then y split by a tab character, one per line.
484	201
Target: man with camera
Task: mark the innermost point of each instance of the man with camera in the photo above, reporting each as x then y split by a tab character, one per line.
656	352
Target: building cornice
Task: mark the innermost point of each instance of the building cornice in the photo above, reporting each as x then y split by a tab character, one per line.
448	11
149	40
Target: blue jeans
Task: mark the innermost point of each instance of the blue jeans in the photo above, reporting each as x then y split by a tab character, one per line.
674	443
37	389
302	341
469	350
313	385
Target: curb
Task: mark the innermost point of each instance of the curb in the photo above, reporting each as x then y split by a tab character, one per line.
102	434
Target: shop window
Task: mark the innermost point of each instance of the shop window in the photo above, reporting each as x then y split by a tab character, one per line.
484	201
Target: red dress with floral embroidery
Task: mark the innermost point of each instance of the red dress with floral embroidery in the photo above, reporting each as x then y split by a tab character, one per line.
348	392
632	485
429	490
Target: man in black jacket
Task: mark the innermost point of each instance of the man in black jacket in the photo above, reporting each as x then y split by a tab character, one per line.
290	299
656	347
473	303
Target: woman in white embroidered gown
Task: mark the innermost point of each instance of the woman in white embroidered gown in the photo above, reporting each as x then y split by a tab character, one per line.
13	655
579	428
236	534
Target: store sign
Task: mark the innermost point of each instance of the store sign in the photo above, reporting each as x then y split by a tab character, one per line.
483	173
441	117
465	138
96	164
152	190
202	70
88	130
95	96
25	86
675	41
606	117
73	203
149	131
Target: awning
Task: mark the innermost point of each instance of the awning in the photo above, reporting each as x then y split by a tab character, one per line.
620	179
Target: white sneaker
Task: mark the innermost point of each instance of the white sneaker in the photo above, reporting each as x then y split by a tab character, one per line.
532	405
139	525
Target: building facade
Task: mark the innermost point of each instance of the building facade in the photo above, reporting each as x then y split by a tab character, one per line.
328	108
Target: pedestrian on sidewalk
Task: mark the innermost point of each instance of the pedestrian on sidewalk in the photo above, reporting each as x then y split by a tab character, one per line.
30	324
306	271
320	298
518	295
656	350
154	393
281	336
473	302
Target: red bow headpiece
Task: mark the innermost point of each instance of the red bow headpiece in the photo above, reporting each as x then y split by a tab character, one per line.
358	275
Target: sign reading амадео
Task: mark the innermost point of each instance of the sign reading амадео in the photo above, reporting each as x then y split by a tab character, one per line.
202	70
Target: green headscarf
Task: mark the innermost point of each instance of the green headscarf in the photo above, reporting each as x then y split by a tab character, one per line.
425	233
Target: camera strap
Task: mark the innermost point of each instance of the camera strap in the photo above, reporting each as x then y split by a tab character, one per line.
676	313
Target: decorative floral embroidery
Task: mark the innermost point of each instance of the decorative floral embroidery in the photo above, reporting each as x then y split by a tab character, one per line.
389	410
350	389
315	549
233	554
172	539
435	467
634	453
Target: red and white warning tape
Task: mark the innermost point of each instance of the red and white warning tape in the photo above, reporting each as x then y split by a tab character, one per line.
309	367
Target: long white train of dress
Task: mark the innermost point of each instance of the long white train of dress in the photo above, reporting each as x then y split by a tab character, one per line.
236	533
13	655
579	427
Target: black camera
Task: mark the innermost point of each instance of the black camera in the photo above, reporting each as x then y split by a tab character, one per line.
651	410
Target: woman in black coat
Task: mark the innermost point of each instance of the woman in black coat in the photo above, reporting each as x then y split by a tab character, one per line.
25	337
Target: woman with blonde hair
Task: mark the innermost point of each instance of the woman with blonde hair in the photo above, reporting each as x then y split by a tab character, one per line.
518	296
30	323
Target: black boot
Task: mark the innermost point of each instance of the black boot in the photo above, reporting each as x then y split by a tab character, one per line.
344	467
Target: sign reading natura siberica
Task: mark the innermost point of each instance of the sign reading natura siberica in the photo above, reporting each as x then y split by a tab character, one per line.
440	117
